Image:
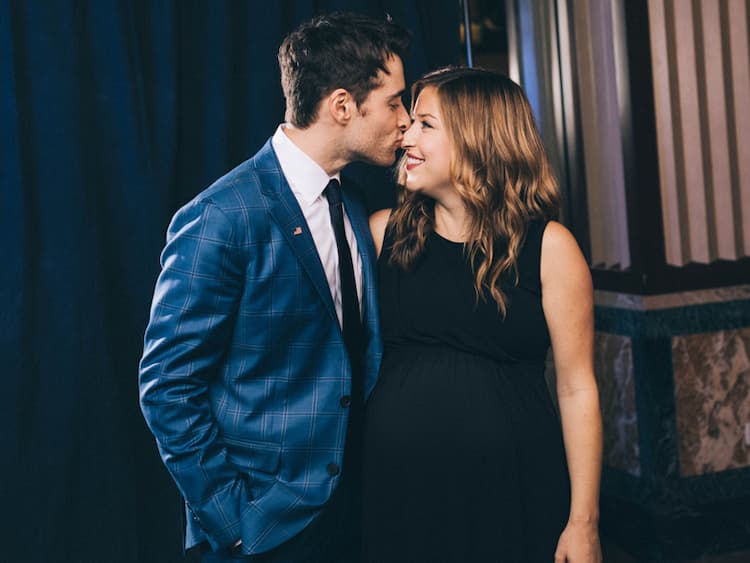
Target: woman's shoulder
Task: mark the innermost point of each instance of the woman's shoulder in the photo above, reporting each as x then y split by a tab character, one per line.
561	255
557	238
378	224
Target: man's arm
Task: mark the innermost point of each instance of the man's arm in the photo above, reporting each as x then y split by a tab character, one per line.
192	317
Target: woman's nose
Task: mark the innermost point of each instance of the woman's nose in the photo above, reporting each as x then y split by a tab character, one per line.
408	140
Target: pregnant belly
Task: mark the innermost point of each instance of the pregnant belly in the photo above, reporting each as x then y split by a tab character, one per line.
435	398
434	402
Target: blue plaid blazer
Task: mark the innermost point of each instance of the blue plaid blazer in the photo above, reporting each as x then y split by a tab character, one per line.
244	364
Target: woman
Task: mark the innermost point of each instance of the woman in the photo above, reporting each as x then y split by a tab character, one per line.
465	454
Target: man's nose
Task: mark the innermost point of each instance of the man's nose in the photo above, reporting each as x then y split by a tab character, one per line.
403	119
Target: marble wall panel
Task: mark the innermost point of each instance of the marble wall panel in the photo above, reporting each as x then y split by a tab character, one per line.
633	302
712	396
613	362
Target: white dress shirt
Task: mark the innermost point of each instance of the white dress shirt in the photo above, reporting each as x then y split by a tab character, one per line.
308	180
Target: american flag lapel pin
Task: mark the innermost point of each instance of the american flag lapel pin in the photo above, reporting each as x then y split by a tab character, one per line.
297	231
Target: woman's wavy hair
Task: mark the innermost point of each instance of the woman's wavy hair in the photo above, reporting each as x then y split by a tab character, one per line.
499	168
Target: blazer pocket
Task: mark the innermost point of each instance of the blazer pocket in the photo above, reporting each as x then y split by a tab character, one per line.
253	455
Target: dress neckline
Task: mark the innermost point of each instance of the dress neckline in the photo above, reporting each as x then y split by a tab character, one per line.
439	237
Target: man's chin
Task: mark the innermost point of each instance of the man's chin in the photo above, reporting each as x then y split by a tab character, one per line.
384	161
388	161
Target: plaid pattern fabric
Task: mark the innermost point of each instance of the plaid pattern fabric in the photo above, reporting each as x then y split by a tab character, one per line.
244	364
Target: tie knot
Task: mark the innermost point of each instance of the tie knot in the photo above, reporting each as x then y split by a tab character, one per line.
333	192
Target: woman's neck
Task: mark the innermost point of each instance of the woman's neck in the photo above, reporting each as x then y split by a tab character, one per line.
452	221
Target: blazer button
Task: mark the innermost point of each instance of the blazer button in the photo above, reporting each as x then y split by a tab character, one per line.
345	401
333	469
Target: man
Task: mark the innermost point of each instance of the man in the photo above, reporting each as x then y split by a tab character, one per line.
264	340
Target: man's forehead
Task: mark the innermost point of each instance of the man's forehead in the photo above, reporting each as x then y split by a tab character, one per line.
390	84
393	81
390	91
395	66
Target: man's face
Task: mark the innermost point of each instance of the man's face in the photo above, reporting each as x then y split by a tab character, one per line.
376	132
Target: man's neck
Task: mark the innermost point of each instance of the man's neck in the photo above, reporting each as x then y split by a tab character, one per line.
321	144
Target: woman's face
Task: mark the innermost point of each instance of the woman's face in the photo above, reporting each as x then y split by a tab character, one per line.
428	149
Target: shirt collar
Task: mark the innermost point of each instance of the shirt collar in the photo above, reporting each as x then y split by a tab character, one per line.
305	176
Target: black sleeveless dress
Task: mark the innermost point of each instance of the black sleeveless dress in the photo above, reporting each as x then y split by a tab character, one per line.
464	459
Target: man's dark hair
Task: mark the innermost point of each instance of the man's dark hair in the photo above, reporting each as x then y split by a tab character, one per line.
339	50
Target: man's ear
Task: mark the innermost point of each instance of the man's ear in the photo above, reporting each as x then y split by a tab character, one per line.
340	105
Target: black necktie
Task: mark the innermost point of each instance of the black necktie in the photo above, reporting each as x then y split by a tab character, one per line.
352	325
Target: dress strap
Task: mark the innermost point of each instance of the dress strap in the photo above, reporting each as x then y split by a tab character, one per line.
530	258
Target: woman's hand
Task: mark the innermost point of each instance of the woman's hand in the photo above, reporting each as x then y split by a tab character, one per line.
579	543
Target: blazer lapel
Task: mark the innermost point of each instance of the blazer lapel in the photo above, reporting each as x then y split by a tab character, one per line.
285	211
361	227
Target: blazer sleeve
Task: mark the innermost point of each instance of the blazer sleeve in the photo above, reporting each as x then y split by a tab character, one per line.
192	316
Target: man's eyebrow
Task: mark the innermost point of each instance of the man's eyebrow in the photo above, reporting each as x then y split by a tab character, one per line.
397	95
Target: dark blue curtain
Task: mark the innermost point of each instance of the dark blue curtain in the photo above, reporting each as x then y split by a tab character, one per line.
112	115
